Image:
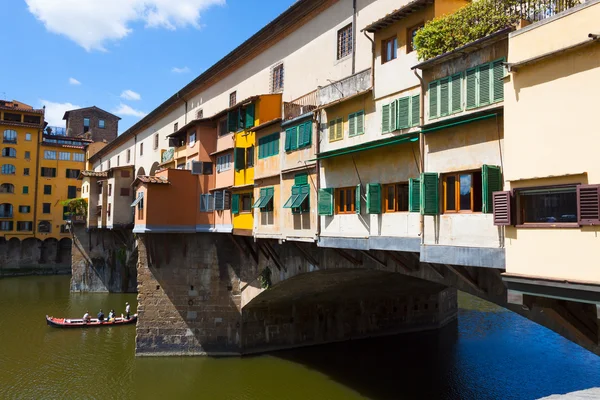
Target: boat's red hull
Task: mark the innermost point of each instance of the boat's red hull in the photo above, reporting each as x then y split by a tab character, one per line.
94	323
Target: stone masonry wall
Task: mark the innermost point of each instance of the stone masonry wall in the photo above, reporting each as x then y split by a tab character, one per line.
34	257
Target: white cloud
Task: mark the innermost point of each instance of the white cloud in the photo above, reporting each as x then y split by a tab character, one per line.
92	23
124	109
130	95
73	81
183	70
56	111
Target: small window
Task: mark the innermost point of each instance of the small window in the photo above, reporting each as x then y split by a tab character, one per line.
200	114
28	155
344	42
462	192
250	157
345	199
175	126
108	210
46	207
24	209
224	163
141	149
223	129
78	157
410	37
48	172
389	50
108	164
156	141
47	189
232	99
9	152
110	189
277	79
118	161
395	197
64	155
246	200
547	205
72	173
7	188
25	189
207	168
192	139
71	192
26	171
28	137
101	123
24	226
10	136
128	156
49	155
8	169
86	125
6	226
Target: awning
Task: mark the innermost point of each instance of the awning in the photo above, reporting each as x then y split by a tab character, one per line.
139	198
299	194
263	200
409	137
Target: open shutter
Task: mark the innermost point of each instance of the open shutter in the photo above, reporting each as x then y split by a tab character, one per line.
444	96
415	110
491	179
502	208
374	198
352	125
403	112
288	138
226	200
588	204
433	99
484	84
360	122
394	116
239	158
455	93
385	118
293	138
414	197
358	198
249	116
339	129
219	200
325	201
498	80
232	120
471	92
429	193
235	204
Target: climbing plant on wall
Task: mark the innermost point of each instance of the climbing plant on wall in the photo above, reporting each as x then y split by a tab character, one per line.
77	206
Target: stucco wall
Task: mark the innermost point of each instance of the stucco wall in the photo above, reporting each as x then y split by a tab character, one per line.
302	225
267	223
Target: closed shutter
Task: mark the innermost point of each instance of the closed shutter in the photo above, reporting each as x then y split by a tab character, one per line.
385	118
210	202
301	128
403	112
235	203
502	202
331	131
219	200
239	158
325	201
415	112
456	93
491	179
249	116
471	92
307	133
301	179
498	80
374	198
288	138
358	198
429	193
226	200
414	190
588	204
293	138
432	93
444	96
339	129
352	125
393	116
484	84
232	120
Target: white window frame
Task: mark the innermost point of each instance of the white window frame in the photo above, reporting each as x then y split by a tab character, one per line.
64	155
49	155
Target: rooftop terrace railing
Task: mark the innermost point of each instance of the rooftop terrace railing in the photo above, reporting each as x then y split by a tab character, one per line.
300	106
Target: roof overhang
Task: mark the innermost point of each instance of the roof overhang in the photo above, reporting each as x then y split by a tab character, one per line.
184	129
397	15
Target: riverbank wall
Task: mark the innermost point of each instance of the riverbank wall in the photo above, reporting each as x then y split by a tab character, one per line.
34	257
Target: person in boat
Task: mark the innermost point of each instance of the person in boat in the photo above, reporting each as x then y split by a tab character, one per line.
111	316
127	310
101	316
86	317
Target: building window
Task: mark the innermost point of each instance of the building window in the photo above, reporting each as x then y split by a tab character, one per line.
24	209
232	98
101	123
86	125
298	136
78	157
46	208
49	155
395	197
175	126
250	157
10	136
223	127
6	210
28	137
156	141
336	129
6	226
48	172
47	189
71	192
268	146
118	161
128	156
547	205
192	139
65	156
108	210
24	226
410	37
110	189
246	200
12	117
265	201
345	199
224	163
200	114
8	169
28	155
462	192
344	42
9	152
277	79
207	202
72	173
389	49
7	188
108	164
26	171
44	227
25	189
207	168
141	149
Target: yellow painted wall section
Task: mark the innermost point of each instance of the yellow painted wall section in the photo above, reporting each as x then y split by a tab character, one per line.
244	176
443	7
268	166
244	219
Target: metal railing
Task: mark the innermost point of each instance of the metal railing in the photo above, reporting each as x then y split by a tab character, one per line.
538	10
56	130
301	105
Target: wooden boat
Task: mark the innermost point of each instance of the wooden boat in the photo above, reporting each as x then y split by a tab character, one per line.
78	322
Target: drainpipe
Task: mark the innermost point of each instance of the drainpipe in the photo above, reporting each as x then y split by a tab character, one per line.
421	148
353	37
372	58
318	168
37	174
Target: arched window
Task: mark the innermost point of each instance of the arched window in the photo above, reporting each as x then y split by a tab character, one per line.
8	169
9	152
6	210
7	188
10	136
44	227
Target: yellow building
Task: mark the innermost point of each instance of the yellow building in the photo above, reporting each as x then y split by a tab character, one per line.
21	126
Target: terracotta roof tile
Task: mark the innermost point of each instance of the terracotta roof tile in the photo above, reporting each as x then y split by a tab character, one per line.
94	174
151	179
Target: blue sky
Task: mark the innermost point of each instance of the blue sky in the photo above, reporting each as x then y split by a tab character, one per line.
126	59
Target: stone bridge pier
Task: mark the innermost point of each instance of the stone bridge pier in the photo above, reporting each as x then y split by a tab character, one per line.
219	294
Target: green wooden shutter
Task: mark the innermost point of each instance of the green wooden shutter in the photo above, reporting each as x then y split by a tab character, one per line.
360	122
357	199
491	178
239	158
232	120
325	201
471	93
288	138
403	112
385	118
414	197
415	111
456	93
307	133
394	116
433	99
444	97
294	138
374	198
484	84
331	130
249	116
235	203
262	143
498	80
301	179
352	124
301	129
429	193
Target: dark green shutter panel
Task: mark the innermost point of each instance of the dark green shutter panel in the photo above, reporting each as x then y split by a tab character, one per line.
357	200
249	116
239	155
288	138
301	129
415	106
491	178
261	148
444	97
433	99
307	133
429	193
385	119
484	84
294	138
403	111
414	197
352	125
325	201
471	91
456	94
393	116
498	80
301	179
235	203
374	198
360	122
232	120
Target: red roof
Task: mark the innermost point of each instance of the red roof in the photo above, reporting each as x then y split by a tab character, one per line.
151	180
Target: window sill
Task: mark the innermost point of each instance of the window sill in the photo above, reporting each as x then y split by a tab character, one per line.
549	225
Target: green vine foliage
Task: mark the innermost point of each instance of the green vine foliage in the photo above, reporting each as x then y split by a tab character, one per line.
265	278
78	207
